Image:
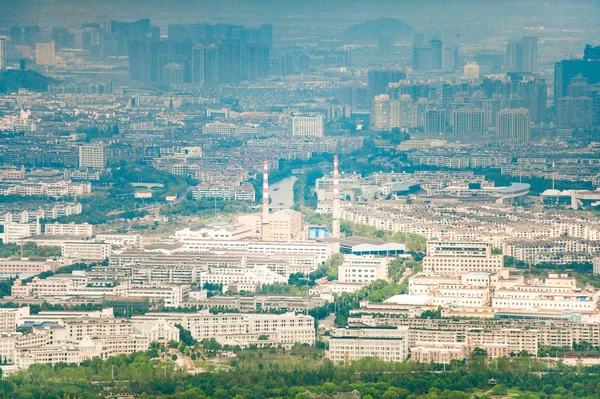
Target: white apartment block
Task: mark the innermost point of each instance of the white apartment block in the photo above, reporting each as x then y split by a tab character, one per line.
248	277
322	250
69	229
307	126
363	269
447	257
11	317
242	329
92	156
172	295
86	250
15	232
121	240
385	343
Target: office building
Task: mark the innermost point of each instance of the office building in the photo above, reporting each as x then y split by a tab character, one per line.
92	156
512	125
45	54
307	126
445	257
471	71
575	113
588	67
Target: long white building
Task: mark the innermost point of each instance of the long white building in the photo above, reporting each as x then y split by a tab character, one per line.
383	342
446	257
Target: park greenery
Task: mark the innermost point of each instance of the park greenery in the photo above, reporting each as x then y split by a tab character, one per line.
30	249
300	372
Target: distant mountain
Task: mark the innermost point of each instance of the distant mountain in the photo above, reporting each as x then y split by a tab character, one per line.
15	79
369	31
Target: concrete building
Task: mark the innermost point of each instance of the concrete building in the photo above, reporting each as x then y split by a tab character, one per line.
92	156
45	54
354	343
307	126
438	352
513	125
69	229
363	269
15	232
86	250
242	328
446	257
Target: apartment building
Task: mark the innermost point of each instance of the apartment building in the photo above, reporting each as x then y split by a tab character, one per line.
15	232
69	229
11	317
445	257
86	250
355	343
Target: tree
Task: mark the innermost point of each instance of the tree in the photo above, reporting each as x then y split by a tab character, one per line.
499	390
185	336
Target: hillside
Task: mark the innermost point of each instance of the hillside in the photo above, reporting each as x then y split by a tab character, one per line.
369	31
12	80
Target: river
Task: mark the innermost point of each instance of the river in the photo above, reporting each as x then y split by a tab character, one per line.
282	193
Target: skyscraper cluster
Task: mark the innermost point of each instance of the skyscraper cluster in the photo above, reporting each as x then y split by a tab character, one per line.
203	54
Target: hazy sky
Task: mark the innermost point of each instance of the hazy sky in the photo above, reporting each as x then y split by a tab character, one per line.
469	15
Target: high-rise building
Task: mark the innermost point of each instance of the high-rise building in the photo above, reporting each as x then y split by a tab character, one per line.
210	59
257	61
266	34
92	156
528	54
435	122
521	55
385	114
588	67
173	74
468	123
533	91
512	125
229	61
307	126
436	54
575	113
45	54
62	38
471	71
2	53
379	79
448	58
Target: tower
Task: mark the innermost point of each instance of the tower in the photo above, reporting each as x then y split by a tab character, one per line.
265	204
336	200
